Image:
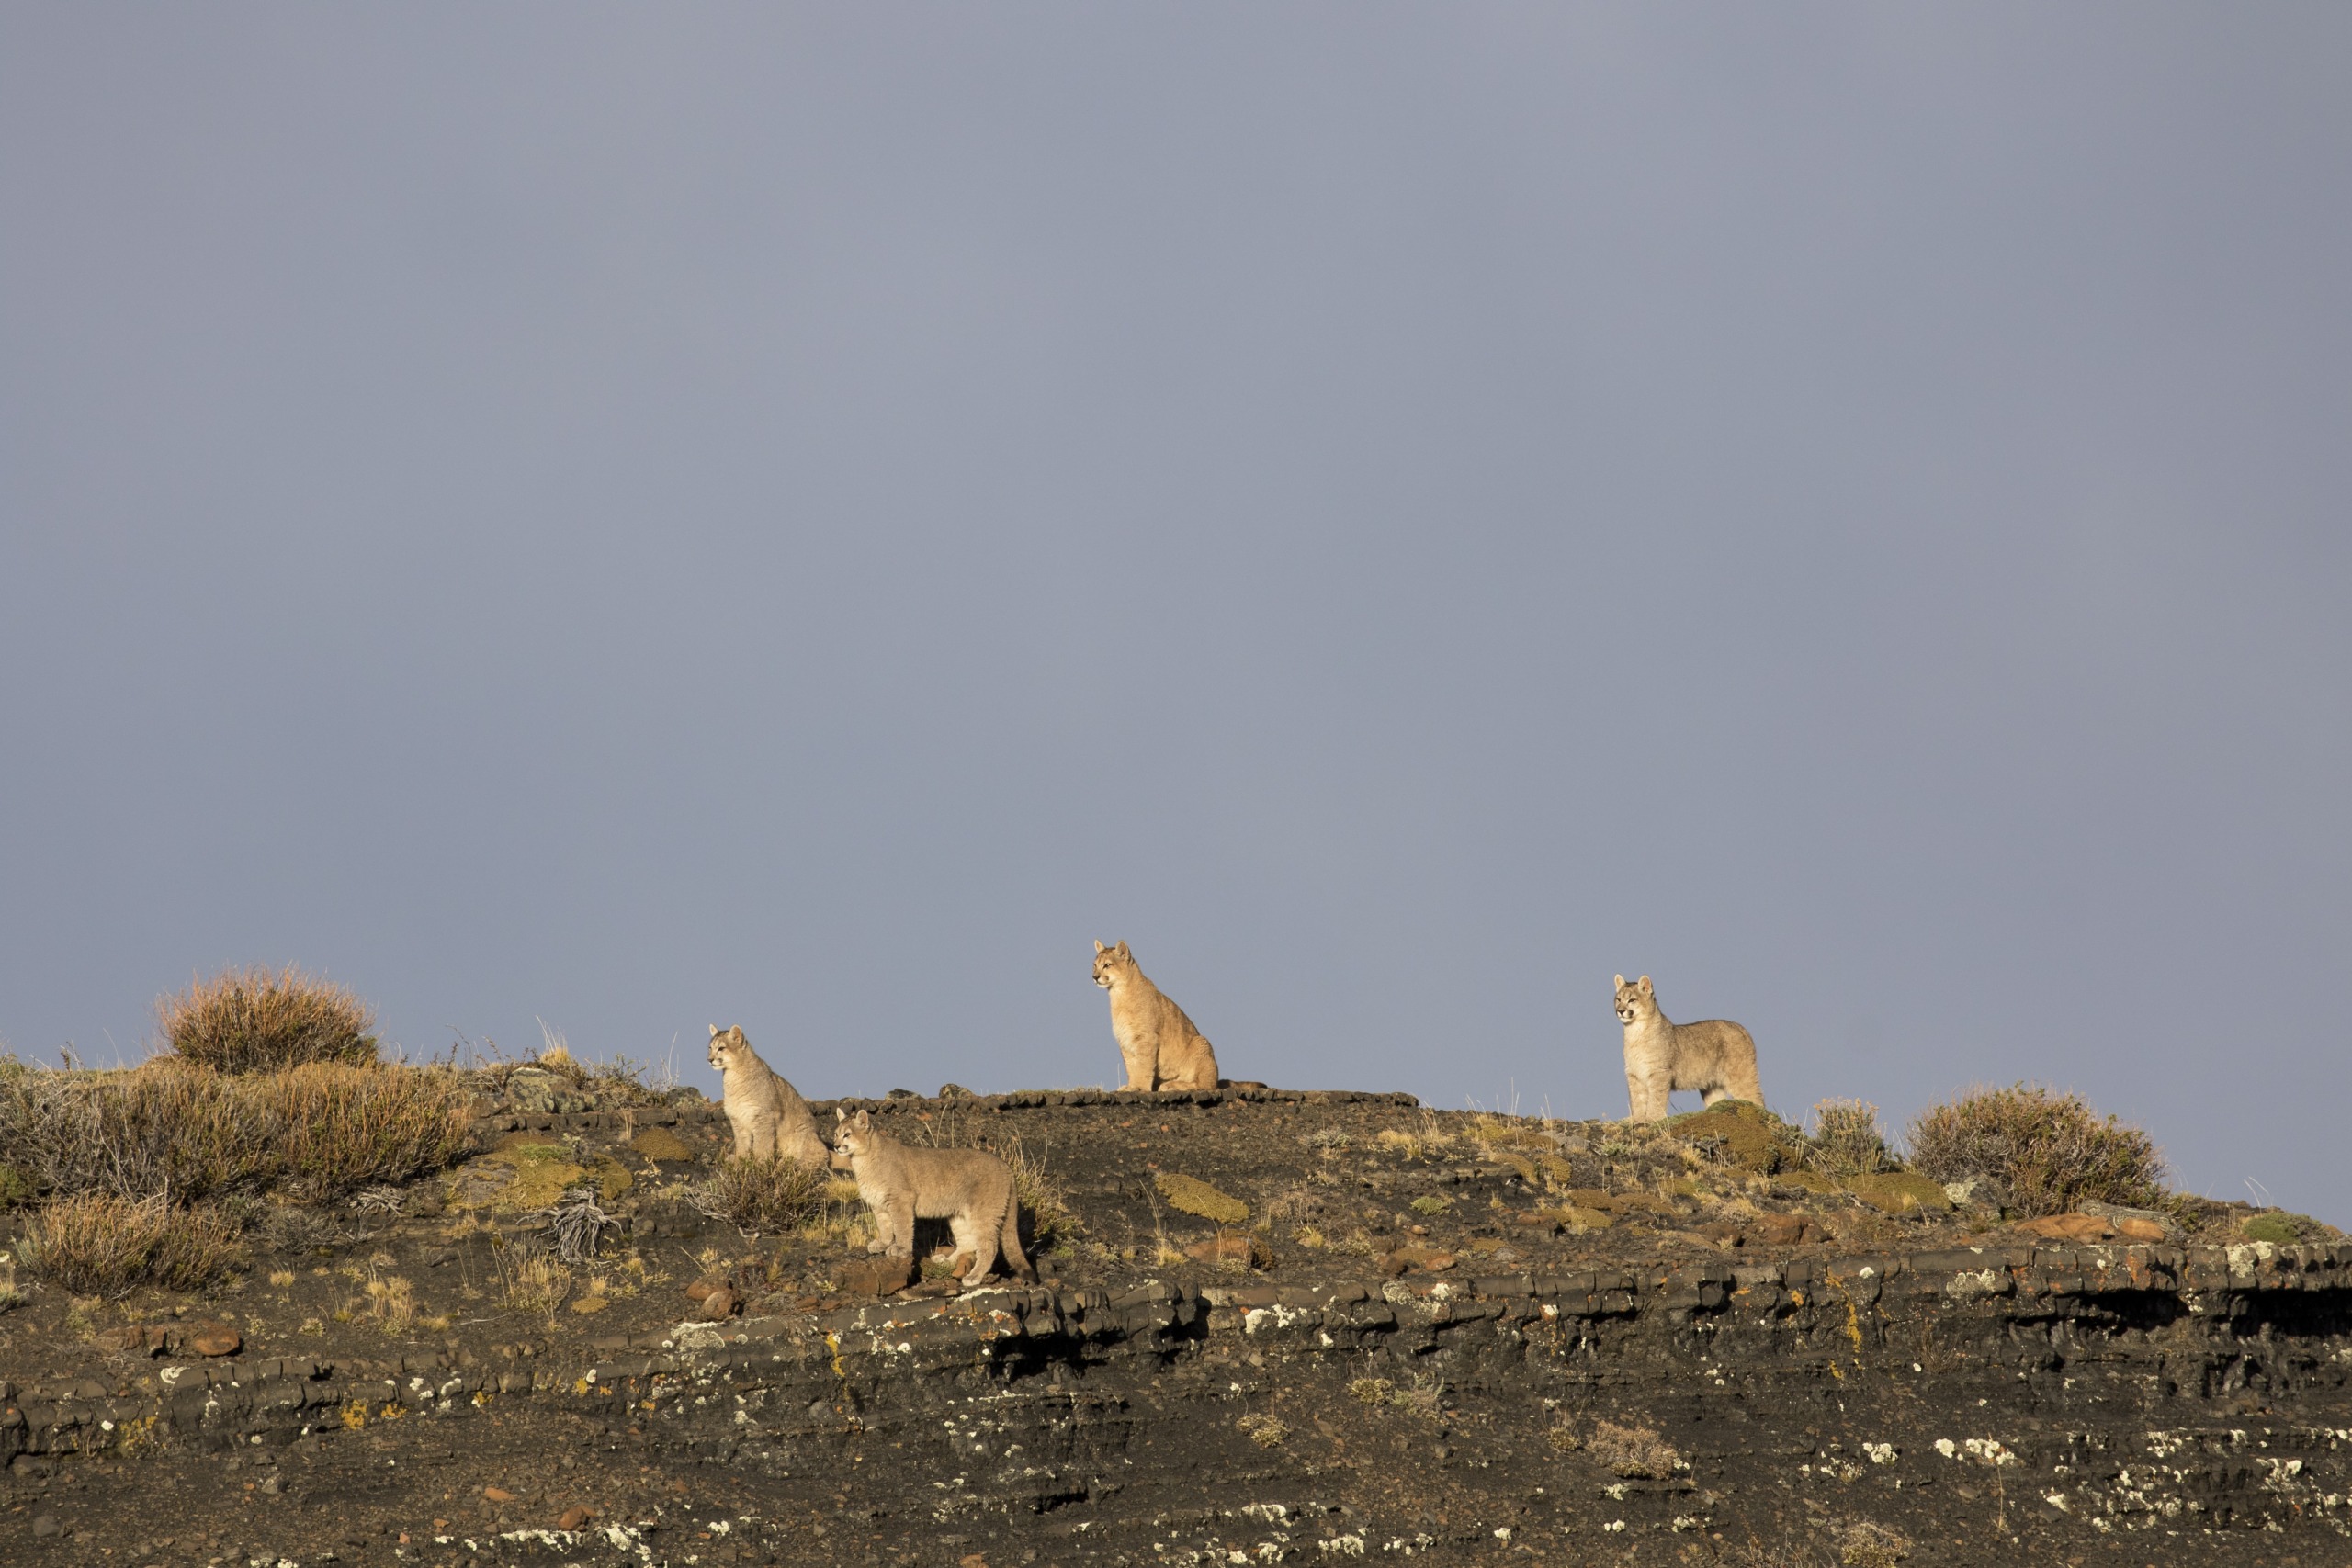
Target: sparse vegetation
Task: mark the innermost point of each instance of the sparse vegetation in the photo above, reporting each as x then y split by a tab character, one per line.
1051	1222
1263	1430
2045	1151
244	1021
101	1245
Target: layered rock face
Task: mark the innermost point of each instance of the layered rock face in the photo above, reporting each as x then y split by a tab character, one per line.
1661	1386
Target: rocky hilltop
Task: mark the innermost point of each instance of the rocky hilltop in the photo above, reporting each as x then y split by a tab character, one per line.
1273	1327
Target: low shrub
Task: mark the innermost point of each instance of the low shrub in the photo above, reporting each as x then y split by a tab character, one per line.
2284	1228
165	1126
346	1127
245	1021
2046	1152
765	1196
101	1244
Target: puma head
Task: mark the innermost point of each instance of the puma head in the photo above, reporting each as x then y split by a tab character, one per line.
1634	1000
852	1135
728	1047
1109	961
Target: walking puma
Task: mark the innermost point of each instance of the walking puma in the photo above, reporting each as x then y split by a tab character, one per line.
898	1184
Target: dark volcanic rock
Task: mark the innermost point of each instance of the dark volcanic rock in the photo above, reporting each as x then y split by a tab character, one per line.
1584	1384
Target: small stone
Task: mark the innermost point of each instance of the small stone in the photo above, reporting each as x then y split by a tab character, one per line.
718	1305
129	1337
214	1339
1774	1229
707	1283
588	1305
274	1485
498	1494
575	1518
877	1276
45	1524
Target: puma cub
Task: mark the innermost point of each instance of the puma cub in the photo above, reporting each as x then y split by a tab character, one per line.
767	1114
1161	1047
1717	1057
898	1184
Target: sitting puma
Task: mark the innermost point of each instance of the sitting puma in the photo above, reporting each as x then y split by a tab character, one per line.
898	1184
767	1114
1716	1056
1161	1048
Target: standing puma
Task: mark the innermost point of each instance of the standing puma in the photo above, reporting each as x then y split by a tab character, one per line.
1161	1048
898	1184
767	1114
1716	1056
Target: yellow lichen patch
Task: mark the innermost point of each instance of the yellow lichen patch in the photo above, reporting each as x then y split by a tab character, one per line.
1197	1197
136	1436
1899	1192
1749	1137
611	1177
660	1143
535	1173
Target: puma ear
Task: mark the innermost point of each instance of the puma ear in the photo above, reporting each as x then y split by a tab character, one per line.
1644	984
839	1114
714	1032
1122	949
1621	982
1098	945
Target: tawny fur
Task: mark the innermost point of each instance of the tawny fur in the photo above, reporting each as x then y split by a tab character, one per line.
767	1114
1715	1057
900	1183
1159	1044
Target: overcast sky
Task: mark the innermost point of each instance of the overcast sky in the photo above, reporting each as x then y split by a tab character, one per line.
645	517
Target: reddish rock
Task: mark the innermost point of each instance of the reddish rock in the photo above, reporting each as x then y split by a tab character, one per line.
706	1284
575	1518
498	1494
1774	1229
718	1305
877	1276
2069	1228
214	1339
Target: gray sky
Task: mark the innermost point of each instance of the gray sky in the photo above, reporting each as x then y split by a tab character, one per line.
647	517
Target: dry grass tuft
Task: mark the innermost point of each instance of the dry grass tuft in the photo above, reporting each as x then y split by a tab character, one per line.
2046	1152
99	1244
244	1021
1633	1452
1847	1140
